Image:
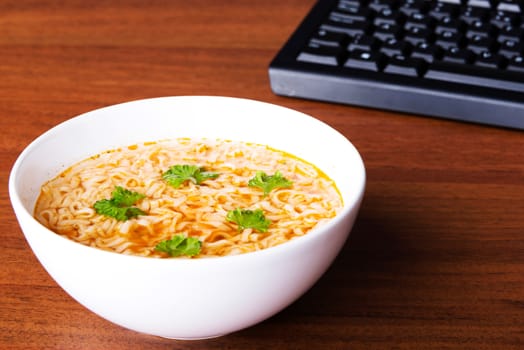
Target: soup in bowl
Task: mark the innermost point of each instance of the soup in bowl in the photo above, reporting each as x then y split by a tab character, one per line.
187	217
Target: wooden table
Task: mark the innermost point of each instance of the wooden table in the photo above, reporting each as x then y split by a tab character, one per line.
435	260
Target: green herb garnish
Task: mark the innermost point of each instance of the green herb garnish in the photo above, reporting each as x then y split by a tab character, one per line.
246	218
180	245
178	174
120	204
269	182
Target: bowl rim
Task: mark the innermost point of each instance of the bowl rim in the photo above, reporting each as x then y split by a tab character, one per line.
23	214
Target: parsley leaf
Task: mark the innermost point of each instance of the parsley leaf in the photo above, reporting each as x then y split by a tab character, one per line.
120	204
178	174
180	245
246	218
124	197
269	182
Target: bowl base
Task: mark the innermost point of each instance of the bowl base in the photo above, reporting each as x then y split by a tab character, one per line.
194	338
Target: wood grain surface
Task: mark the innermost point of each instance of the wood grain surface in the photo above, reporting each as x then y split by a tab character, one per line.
435	260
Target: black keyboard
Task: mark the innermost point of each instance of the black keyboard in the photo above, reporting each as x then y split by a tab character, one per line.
455	59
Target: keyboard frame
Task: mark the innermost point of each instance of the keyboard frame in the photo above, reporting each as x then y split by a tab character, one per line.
413	95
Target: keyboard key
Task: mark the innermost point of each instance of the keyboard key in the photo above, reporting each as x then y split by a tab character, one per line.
326	38
479	44
427	52
510	6
490	60
516	64
482	29
417	35
472	14
390	17
326	55
380	5
503	18
510	32
353	14
478	76
403	65
448	24
351	29
366	60
480	3
387	31
456	55
410	7
510	48
420	21
441	9
363	43
345	4
338	17
393	47
449	39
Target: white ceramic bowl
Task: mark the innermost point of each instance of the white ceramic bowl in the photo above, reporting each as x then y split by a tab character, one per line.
187	298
